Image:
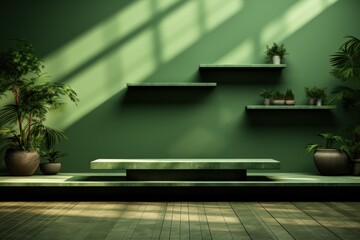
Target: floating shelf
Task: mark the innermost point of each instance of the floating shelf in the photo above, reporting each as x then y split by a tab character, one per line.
289	107
244	66
172	84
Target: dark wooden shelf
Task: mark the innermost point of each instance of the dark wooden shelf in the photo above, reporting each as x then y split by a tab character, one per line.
244	66
289	107
171	84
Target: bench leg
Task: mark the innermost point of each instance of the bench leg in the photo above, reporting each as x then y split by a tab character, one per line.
185	175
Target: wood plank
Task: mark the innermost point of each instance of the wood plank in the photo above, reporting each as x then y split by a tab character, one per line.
166	226
253	225
337	223
217	224
204	224
296	222
194	221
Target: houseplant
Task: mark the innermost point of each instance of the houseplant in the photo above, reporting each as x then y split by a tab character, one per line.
320	96
346	68
278	98
289	97
275	53
51	167
21	121
331	157
311	95
266	94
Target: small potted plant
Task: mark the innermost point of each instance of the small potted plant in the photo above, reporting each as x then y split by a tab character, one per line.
275	53
310	94
278	98
320	96
266	94
331	157
51	167
289	97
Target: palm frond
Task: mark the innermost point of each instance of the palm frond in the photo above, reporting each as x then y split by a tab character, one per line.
51	136
8	114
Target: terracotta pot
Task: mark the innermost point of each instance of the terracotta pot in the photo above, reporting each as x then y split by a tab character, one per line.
50	168
356	167
331	162
22	163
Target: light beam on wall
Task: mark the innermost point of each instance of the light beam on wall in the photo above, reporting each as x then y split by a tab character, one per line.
134	60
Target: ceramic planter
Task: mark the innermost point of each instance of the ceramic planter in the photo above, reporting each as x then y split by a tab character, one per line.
266	101
276	59
331	162
356	167
312	101
22	163
319	102
290	101
278	101
50	168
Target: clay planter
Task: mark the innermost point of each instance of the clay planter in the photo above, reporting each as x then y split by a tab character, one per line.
22	163
331	162
312	101
50	168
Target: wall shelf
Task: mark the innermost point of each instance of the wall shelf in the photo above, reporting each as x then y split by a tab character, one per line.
244	66
289	107
172	84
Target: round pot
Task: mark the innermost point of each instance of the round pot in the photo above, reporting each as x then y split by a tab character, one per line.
266	101
278	101
331	162
312	101
22	163
356	167
50	168
276	59
290	101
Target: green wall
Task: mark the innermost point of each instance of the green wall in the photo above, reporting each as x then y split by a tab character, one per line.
98	46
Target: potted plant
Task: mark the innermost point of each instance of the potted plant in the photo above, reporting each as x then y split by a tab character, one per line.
266	94
331	157
51	167
311	95
289	97
21	121
275	53
346	68
320	96
278	98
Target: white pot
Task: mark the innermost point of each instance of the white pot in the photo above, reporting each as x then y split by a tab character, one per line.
276	59
266	101
319	102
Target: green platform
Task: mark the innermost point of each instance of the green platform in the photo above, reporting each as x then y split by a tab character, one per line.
185	169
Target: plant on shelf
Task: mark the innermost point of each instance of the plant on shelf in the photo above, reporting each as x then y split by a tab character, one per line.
289	97
311	95
266	94
275	53
51	167
22	120
331	157
346	67
278	98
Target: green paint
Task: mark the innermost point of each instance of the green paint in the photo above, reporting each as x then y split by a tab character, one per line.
99	47
289	107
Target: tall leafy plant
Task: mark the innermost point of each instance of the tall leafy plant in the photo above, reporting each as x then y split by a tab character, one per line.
21	121
346	67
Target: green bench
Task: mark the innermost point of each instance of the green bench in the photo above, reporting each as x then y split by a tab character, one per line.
186	169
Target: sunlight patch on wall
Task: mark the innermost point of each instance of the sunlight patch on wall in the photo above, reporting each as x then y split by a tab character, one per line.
109	75
243	53
293	19
99	38
183	28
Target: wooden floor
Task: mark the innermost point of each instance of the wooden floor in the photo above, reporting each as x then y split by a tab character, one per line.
179	220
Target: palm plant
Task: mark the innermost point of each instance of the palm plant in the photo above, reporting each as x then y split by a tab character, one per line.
21	122
346	68
329	142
